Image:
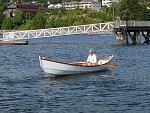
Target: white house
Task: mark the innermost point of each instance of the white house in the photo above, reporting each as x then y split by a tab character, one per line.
108	3
71	5
51	6
10	12
91	4
57	6
96	6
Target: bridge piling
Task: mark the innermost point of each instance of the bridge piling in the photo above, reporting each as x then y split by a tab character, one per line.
132	29
146	36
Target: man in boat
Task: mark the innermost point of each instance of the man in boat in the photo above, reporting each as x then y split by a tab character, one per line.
91	60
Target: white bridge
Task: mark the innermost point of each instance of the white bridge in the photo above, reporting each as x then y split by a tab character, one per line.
40	33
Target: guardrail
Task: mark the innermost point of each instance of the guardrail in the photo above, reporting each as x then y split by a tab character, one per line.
131	23
29	34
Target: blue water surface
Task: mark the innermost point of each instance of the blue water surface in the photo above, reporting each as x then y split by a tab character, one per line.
24	89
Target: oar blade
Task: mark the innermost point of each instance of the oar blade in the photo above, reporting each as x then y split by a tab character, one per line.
111	66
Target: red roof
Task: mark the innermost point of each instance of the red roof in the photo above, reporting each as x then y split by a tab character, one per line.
29	10
26	5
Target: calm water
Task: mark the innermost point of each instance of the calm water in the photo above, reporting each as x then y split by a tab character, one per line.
24	89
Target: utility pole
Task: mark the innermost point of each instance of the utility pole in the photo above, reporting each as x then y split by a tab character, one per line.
113	10
113	15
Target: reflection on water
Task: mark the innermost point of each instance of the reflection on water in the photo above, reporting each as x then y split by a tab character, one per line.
48	81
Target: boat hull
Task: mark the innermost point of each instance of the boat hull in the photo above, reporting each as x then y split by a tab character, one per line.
54	68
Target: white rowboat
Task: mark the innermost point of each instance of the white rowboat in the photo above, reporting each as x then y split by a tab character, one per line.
55	68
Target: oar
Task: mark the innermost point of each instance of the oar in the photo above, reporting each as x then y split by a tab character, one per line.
109	66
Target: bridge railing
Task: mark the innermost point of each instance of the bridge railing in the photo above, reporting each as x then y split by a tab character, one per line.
138	23
28	34
131	23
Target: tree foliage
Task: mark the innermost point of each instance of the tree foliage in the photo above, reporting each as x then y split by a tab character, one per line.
17	19
39	20
131	9
1	19
3	6
7	23
126	9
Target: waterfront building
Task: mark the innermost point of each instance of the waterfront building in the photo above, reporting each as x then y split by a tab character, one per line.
24	8
91	4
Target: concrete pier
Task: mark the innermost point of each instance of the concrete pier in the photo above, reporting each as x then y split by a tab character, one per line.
13	42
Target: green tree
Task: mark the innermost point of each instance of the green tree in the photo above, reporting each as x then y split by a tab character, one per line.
60	14
50	21
145	15
71	19
4	1
92	14
60	22
129	10
3	6
106	14
1	18
50	24
79	21
17	19
28	25
39	20
7	23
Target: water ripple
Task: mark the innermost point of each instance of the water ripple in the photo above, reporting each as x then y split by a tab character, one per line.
24	89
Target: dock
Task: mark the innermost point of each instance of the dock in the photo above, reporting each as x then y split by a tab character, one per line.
13	42
123	30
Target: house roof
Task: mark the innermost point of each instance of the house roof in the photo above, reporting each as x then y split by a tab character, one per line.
26	4
12	6
29	10
87	1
